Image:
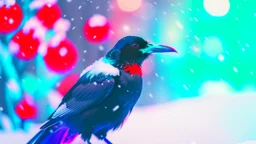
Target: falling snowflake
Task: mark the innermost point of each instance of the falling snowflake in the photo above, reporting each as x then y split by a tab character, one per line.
116	108
185	87
156	75
221	57
197	38
101	48
191	70
251	73
119	86
235	69
1	108
179	25
94	83
150	95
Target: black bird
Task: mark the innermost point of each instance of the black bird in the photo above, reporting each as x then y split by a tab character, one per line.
103	97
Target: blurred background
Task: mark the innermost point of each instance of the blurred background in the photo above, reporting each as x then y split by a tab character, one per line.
205	93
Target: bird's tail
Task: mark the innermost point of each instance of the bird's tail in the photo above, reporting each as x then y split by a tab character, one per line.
53	135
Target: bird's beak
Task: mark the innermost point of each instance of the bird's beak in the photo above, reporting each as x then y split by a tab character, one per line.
151	48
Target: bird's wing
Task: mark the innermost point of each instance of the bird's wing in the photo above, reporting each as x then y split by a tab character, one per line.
84	94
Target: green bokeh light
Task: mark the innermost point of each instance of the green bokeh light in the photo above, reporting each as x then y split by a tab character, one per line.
215	47
29	83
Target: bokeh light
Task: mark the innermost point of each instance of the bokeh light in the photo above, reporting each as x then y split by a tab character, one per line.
29	83
217	7
129	5
213	47
215	88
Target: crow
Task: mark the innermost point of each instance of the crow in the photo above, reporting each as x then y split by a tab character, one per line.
103	97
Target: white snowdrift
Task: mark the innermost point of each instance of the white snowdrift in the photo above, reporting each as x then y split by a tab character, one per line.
206	120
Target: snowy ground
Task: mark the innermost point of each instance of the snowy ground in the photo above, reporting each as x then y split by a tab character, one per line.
205	120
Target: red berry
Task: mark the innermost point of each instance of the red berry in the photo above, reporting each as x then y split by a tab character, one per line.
62	57
10	18
49	14
25	46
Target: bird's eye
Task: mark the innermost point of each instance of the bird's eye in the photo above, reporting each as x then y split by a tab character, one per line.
135	45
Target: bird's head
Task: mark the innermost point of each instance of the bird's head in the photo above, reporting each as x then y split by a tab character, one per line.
134	50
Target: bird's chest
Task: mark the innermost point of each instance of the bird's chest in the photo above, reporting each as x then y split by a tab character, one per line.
128	88
125	93
120	101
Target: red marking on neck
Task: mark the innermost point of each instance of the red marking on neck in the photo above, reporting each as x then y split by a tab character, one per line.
133	69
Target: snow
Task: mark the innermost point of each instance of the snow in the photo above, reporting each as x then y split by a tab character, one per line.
221	57
37	4
10	21
185	87
61	25
14	47
99	67
43	49
57	38
228	119
235	69
179	25
101	48
8	3
97	21
63	51
115	108
35	24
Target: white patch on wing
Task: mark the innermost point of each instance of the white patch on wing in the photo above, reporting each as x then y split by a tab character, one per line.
100	67
62	110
